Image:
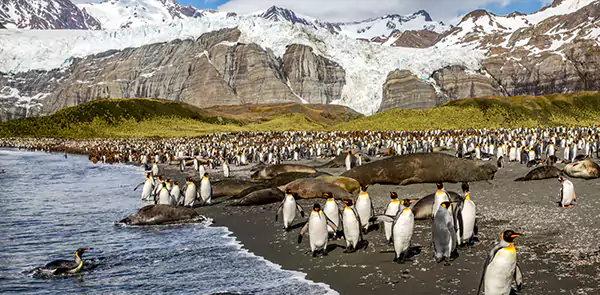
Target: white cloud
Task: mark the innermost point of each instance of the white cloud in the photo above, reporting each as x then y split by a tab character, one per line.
352	10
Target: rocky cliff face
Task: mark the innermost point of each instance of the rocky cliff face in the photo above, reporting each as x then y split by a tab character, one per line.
214	70
46	14
404	90
313	77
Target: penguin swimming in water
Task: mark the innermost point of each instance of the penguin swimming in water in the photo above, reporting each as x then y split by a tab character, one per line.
332	211
391	210
567	192
317	230
364	207
205	189
444	234
352	227
289	207
469	219
402	228
58	267
501	268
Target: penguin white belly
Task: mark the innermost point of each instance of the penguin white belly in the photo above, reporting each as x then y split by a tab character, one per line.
331	210
500	272
155	169
568	193
468	216
163	197
363	207
348	163
205	191
439	198
147	190
391	210
403	231
351	227
201	170
175	192
317	231
512	155
225	170
190	195
289	211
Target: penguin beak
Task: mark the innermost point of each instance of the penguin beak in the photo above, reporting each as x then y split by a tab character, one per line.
87	249
515	235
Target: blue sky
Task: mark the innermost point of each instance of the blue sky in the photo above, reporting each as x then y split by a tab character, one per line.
447	10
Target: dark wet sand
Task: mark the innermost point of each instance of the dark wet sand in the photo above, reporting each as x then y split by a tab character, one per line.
559	253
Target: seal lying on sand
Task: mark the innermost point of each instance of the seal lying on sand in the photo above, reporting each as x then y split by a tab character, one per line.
585	169
543	172
310	188
261	197
285	178
423	208
230	187
422	168
347	183
162	214
270	172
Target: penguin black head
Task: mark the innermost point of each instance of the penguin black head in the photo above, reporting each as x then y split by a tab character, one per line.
509	236
439	185
176	182
465	186
288	191
393	195
80	251
348	202
316	207
407	202
149	175
205	174
328	195
446	204
363	187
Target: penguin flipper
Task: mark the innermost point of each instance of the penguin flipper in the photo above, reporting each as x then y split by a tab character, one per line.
382	218
518	277
278	211
138	186
299	208
302	232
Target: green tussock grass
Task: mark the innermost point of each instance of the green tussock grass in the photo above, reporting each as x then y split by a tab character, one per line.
578	109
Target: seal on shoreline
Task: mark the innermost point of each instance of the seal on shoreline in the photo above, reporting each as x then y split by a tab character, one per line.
585	169
543	172
347	183
272	171
340	161
230	187
423	208
310	188
162	214
422	168
261	197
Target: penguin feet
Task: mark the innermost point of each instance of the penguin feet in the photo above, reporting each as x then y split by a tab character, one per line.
350	249
314	253
447	261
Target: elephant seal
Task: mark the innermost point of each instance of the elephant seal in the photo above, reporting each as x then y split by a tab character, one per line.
423	208
543	172
347	183
310	188
162	214
230	187
340	160
261	197
285	178
422	168
586	169
270	172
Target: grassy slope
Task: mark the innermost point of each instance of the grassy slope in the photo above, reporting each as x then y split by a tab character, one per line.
160	118
579	109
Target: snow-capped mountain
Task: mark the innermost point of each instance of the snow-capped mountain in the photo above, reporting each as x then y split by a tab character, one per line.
115	14
375	29
45	14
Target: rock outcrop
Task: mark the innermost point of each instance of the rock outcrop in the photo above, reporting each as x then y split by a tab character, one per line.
213	70
404	90
313	77
415	38
456	82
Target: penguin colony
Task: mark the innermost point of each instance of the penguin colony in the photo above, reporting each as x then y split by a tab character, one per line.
454	223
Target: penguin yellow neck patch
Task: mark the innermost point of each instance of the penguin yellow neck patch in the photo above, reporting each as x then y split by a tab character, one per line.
511	247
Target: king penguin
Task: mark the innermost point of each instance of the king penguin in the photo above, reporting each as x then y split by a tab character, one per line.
501	268
317	230
205	189
191	193
290	209
364	207
444	234
148	187
352	227
469	221
155	168
439	197
164	198
331	211
402	228
225	169
391	210
176	194
567	192
348	161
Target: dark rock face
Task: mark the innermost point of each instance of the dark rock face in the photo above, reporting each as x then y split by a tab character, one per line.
416	39
47	14
213	70
404	90
455	83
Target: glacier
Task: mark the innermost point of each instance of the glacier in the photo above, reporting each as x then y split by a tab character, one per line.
367	65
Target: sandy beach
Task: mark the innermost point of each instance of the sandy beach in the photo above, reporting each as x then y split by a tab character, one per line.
559	252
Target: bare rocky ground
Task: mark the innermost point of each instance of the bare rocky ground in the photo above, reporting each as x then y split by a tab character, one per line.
559	252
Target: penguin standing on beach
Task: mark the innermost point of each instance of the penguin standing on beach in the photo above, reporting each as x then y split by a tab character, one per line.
190	192
500	268
176	194
201	171
148	187
317	230
196	164
332	211
290	208
164	197
348	161
205	190
391	210
440	196
467	209
444	234
155	168
225	169
352	227
567	192
182	165
403	226
364	207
